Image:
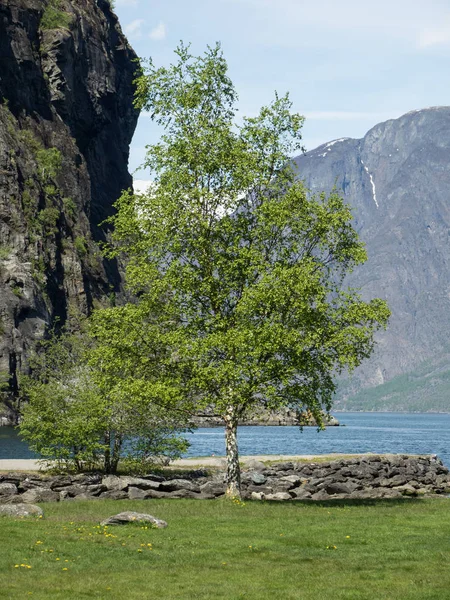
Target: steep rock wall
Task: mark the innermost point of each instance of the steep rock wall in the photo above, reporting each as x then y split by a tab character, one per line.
66	122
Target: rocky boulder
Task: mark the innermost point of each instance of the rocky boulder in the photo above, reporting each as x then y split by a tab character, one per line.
133	517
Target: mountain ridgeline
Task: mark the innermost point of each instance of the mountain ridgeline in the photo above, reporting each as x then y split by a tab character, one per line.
66	122
397	179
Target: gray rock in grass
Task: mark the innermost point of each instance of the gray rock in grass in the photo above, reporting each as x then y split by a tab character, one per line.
134	517
40	495
21	510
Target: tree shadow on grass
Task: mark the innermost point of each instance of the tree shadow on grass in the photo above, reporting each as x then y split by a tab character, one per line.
342	502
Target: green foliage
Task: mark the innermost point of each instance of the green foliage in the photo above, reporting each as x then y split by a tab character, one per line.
48	218
17	290
28	139
29	203
426	389
4	379
49	162
38	271
54	17
81	412
80	246
5	252
238	269
70	208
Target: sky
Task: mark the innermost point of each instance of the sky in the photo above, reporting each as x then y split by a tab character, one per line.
347	64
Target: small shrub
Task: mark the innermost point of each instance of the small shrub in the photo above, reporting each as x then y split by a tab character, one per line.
80	246
49	162
5	252
54	17
48	217
17	290
38	271
69	207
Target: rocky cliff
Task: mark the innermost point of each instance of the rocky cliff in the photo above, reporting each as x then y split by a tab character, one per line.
66	122
397	179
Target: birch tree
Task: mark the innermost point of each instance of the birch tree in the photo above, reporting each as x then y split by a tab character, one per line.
238	269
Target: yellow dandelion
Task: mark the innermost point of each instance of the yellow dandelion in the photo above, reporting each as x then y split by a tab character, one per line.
65	569
58	559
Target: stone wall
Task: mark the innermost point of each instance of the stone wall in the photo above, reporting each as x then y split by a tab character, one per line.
364	477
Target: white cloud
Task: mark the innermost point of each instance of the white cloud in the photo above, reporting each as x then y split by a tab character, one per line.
302	23
434	37
134	29
141	186
127	2
158	33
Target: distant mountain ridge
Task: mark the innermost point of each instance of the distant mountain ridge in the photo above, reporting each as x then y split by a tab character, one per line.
397	179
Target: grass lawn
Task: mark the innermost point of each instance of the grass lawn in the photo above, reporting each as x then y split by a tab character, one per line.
218	549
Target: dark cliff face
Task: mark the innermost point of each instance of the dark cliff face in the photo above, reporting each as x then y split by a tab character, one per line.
66	122
397	179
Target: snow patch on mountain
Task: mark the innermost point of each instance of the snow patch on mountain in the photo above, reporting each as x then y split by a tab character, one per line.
372	183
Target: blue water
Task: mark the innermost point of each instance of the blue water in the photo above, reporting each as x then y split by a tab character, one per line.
361	432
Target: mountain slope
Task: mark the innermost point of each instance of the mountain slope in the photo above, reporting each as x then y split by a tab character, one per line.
397	179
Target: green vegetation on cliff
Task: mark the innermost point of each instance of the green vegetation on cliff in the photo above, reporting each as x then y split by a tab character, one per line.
54	16
427	389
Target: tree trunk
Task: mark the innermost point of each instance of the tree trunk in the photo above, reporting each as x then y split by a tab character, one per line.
107	459
117	446
233	470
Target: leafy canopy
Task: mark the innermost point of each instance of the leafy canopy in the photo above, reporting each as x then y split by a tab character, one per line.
237	269
84	411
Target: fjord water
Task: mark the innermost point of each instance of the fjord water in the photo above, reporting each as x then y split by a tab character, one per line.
396	433
359	432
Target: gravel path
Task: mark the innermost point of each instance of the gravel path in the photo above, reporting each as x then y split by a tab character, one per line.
205	461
